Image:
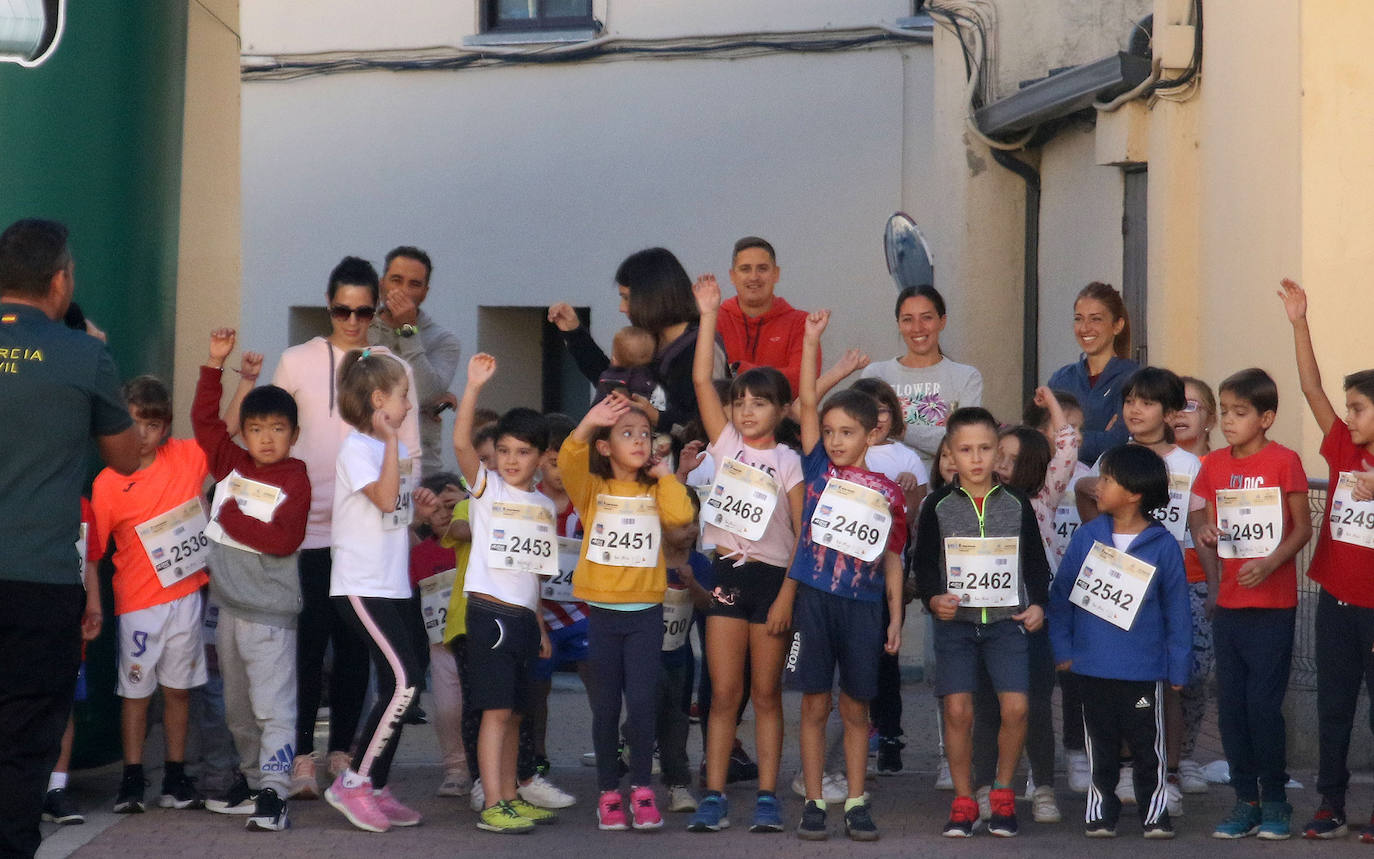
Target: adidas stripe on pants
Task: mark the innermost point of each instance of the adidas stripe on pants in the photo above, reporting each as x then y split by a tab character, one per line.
258	664
1129	710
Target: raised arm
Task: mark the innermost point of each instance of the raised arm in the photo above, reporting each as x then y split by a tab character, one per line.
709	407
1295	305
481	367
809	399
852	361
585	353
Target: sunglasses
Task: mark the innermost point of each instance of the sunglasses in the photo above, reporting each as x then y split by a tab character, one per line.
343	311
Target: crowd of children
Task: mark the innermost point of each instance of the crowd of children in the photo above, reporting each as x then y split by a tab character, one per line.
574	545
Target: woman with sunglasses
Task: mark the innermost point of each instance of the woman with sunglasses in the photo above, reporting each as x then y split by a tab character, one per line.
309	372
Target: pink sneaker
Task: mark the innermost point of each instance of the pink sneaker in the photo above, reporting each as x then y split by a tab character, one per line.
357	804
645	808
610	812
396	813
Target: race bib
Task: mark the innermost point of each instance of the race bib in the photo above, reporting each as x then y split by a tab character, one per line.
523	538
742	499
1066	522
435	593
851	519
404	513
1111	584
175	542
81	550
1174	515
560	587
1351	521
256	499
1251	522
625	531
677	617
985	572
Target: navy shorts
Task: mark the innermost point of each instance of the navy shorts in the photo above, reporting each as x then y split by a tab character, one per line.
569	645
746	591
829	632
959	645
503	644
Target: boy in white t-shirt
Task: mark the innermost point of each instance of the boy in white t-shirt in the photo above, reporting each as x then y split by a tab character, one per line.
514	541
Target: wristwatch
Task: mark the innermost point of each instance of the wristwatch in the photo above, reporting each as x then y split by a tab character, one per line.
407	330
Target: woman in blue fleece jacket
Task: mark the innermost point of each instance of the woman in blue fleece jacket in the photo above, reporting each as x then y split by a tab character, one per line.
1119	619
1103	331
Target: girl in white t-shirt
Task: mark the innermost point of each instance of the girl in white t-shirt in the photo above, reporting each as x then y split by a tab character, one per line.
375	497
752	516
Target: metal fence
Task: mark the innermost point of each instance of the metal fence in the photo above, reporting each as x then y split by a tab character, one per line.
1304	673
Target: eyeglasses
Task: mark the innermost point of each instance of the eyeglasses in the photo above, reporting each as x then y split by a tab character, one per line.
1190	406
343	311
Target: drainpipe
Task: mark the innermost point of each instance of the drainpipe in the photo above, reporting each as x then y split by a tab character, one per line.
1030	313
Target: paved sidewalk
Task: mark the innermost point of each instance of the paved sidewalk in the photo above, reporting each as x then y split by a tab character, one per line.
909	812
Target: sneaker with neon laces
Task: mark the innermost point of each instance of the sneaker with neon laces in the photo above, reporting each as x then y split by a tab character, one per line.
533	813
767	814
545	794
944	780
1100	829
811	827
983	796
503	819
680	799
358	804
610	812
455	783
269	813
396	813
1328	822
1002	823
1125	784
1275	821
1190	777
58	808
712	814
1080	771
1044	809
1173	795
644	805
239	799
304	781
1161	829
963	813
477	798
1244	820
858	823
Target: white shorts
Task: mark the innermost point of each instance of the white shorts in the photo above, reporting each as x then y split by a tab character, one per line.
162	646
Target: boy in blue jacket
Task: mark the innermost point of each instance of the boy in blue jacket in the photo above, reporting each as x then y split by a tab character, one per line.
1119	620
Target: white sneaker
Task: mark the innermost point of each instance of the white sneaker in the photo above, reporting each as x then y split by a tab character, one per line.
1030	787
589	759
544	793
1173	796
984	797
1080	771
1190	777
455	783
1043	807
681	799
478	798
1125	786
835	787
943	779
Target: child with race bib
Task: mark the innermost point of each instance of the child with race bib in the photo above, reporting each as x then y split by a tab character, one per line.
625	501
1118	620
1343	565
1255	491
158	522
981	570
369	582
752	517
846	565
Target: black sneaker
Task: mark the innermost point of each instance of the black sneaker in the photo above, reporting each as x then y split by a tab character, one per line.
129	800
963	814
742	767
812	826
269	813
59	808
1100	829
890	755
1162	828
237	800
859	825
1003	820
1327	823
179	791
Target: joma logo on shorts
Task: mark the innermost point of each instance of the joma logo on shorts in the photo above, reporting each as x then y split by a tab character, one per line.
794	652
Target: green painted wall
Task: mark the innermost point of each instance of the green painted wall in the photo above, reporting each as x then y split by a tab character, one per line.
93	138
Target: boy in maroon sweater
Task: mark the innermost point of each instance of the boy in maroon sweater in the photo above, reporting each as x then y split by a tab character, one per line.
257	523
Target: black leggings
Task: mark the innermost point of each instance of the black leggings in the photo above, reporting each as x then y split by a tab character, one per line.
320	622
385	625
623	655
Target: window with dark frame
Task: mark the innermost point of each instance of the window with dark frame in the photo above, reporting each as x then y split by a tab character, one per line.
528	15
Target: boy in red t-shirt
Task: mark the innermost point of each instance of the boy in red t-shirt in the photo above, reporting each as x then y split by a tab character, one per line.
1257	521
157	520
1344	567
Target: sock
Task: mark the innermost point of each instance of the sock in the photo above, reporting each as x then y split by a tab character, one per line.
352	779
819	803
853	802
714	793
171	769
997	785
761	794
57	781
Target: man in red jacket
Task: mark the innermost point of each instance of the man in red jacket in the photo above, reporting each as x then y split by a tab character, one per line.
759	328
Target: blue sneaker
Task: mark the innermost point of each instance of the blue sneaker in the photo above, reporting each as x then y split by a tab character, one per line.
1244	820
767	815
712	815
1275	821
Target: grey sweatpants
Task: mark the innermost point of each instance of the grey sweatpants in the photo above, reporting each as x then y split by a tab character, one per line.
258	664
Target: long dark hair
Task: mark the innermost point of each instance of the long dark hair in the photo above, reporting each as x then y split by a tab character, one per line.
660	290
